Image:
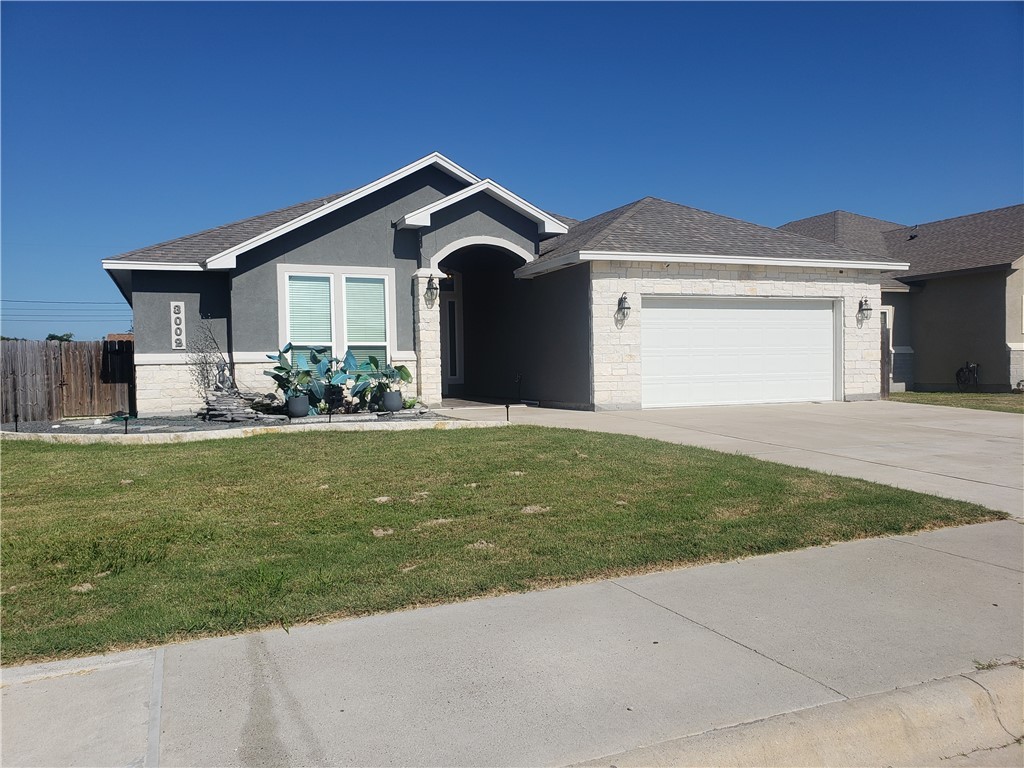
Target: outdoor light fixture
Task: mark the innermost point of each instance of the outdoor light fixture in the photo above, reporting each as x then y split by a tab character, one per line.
431	293
622	312
864	309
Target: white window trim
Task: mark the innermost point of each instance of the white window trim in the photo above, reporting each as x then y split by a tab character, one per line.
337	275
288	310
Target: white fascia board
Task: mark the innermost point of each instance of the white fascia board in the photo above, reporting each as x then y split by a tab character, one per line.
888	289
697	258
535	268
155	265
226	259
421	218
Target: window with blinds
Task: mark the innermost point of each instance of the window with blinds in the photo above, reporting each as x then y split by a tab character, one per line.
366	326
309	315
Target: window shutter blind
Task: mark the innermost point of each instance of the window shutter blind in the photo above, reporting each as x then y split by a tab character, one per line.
365	319
309	309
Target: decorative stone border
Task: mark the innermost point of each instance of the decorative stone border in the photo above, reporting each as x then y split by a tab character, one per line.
158	438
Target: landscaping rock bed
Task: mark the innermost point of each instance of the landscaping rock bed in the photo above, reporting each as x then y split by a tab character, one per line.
172	424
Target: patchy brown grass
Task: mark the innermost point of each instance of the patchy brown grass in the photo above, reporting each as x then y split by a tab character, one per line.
228	536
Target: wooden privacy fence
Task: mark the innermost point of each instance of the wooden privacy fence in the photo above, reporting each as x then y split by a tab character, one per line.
51	380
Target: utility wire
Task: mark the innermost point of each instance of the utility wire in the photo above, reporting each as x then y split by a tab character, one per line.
39	301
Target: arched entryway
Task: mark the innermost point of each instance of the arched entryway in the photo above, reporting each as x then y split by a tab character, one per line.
484	354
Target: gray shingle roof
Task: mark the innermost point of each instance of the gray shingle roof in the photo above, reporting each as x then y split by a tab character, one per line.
987	239
976	241
850	230
196	248
651	225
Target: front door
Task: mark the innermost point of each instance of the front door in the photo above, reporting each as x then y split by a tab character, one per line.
450	297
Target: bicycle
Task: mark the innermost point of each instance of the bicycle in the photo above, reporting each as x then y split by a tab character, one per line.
967	377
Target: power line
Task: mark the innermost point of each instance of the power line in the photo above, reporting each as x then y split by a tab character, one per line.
39	301
118	320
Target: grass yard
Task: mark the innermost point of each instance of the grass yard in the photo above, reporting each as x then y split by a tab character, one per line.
1006	402
109	546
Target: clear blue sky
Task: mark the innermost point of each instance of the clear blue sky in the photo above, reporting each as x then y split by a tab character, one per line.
127	124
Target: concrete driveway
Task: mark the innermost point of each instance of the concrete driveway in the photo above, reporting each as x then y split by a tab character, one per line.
953	452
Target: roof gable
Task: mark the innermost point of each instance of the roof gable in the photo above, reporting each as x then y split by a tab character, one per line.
546	223
219	247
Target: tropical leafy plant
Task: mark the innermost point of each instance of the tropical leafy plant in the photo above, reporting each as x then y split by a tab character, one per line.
292	380
374	379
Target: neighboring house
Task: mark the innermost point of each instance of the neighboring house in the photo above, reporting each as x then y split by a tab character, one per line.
528	305
962	298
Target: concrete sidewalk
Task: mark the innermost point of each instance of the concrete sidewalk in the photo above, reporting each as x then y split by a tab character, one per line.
565	675
953	452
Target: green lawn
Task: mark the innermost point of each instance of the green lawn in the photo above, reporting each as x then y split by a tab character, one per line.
110	546
1009	403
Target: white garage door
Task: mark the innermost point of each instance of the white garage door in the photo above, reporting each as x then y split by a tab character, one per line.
721	351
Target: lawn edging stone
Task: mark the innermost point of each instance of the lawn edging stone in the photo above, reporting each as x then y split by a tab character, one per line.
158	438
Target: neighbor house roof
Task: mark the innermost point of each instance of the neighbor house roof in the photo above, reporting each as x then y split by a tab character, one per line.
660	229
977	241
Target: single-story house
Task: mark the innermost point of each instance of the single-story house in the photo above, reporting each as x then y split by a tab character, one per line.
483	294
961	300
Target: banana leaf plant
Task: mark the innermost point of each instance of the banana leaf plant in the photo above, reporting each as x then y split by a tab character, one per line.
373	379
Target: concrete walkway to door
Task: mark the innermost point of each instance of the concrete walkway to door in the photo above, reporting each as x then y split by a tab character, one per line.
953	452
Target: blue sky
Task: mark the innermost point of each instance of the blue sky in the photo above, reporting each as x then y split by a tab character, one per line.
126	124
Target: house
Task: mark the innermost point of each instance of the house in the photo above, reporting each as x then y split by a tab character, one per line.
961	299
483	294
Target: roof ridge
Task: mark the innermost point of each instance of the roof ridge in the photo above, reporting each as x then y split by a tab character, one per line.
631	209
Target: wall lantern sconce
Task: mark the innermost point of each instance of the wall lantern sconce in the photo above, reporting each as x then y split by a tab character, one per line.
622	312
430	294
864	309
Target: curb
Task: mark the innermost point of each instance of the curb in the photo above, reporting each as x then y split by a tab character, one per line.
159	438
920	725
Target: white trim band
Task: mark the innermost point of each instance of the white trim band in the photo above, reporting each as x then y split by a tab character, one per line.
548	225
163	267
698	258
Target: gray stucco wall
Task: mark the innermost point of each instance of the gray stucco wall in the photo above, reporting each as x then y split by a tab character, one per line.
360	234
538	328
955	319
205	295
479	215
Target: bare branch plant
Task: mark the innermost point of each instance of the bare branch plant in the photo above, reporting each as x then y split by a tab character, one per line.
203	357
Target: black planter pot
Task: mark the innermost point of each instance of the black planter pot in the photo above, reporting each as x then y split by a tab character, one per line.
298	405
392	401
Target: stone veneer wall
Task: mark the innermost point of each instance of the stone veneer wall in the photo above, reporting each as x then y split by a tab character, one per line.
616	352
167	388
427	333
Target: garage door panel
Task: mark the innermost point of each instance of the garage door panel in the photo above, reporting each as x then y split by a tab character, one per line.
718	351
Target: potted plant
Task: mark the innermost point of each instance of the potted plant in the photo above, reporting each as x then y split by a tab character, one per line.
377	385
328	379
293	381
